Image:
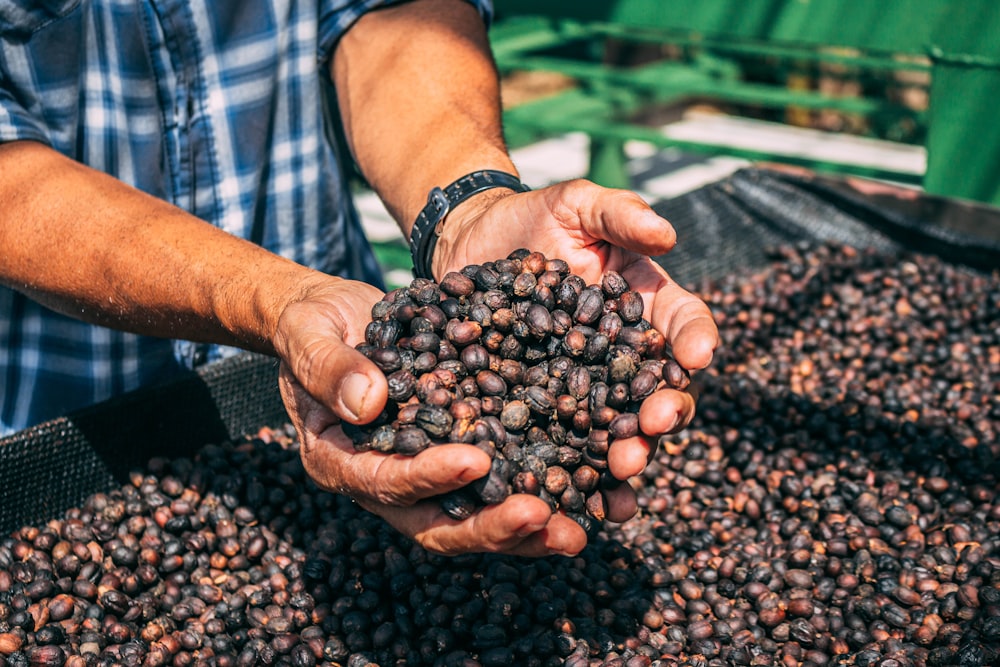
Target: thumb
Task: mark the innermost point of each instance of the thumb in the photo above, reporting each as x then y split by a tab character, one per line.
342	379
360	394
620	217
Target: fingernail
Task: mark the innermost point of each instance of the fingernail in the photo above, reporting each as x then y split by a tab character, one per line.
470	475
354	393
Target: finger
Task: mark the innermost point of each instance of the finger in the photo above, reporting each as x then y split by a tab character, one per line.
666	411
392	479
692	333
504	528
561	536
522	525
620	217
628	457
685	320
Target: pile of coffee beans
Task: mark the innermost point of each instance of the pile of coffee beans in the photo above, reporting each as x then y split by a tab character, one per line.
526	361
834	503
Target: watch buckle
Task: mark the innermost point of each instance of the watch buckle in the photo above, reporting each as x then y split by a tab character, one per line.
438	200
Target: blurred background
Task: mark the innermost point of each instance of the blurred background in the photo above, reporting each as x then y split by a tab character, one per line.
665	98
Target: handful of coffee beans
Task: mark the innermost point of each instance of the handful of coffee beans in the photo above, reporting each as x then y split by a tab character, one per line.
526	361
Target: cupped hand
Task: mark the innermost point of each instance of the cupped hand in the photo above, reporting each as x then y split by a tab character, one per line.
324	380
595	230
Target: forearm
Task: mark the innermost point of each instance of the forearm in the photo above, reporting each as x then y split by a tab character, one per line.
89	246
420	100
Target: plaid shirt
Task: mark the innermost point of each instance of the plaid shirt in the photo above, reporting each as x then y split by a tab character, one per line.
217	106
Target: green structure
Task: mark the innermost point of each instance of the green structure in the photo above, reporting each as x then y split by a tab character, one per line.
628	57
963	144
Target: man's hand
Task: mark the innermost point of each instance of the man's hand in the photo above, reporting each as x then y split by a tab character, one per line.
596	230
325	381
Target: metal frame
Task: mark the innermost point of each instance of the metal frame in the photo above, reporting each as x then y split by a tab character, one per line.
951	47
607	97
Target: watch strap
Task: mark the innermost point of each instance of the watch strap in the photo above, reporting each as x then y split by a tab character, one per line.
430	221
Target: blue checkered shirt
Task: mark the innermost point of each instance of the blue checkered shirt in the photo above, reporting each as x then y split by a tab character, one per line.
221	107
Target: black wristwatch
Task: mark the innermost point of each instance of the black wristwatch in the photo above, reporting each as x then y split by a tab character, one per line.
427	227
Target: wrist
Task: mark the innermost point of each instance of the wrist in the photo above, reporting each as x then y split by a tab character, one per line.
252	311
472	194
457	238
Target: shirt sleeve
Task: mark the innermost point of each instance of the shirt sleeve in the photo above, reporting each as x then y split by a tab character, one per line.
337	16
16	122
25	67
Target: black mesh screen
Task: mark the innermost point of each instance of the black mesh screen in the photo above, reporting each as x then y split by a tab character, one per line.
728	225
723	227
51	467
